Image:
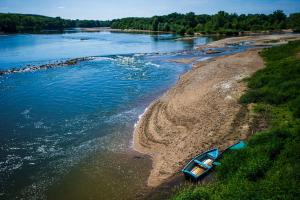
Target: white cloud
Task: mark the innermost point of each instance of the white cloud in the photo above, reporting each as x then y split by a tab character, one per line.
60	7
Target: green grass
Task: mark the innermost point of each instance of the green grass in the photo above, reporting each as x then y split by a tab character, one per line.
269	167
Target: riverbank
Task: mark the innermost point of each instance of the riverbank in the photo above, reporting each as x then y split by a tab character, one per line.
268	167
253	40
201	110
194	115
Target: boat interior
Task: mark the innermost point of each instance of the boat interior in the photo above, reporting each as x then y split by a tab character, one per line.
200	165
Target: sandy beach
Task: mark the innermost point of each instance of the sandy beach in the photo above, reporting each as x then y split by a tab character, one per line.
196	114
201	111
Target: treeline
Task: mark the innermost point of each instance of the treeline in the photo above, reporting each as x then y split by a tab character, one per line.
190	23
13	23
220	23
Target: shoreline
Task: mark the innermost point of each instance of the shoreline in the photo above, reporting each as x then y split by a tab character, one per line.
179	118
184	37
254	40
201	110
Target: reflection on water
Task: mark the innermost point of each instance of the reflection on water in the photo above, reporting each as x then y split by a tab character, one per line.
66	133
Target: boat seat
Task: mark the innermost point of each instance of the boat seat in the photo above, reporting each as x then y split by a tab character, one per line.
202	164
208	162
197	171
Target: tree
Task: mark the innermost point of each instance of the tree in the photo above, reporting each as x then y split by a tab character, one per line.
155	23
190	19
294	22
167	27
190	31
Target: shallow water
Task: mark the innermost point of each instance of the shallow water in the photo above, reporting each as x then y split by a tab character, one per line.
66	133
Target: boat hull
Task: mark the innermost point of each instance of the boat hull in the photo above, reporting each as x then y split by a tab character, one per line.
200	165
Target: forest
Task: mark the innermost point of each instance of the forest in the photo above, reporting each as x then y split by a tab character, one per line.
220	23
13	23
190	23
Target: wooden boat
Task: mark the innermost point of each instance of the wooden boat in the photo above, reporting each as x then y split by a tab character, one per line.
201	164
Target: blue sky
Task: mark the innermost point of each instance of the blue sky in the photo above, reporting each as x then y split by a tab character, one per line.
109	9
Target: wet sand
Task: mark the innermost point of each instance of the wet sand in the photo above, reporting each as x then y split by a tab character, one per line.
199	112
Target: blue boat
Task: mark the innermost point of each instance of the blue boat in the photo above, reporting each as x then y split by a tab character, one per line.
200	165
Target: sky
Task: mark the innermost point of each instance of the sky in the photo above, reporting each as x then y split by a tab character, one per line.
112	9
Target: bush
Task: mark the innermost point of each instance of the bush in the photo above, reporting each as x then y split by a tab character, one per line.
190	31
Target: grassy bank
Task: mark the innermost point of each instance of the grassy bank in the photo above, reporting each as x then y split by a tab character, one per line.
269	167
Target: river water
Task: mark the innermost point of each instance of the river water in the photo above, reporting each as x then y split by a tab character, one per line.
66	133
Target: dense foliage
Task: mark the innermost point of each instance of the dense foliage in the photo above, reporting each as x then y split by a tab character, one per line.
269	167
190	23
12	23
222	23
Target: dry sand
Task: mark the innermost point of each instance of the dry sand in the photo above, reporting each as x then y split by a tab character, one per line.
199	112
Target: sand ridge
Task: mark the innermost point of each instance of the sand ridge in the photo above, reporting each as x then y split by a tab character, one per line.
196	114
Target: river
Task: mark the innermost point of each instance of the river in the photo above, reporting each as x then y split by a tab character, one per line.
66	133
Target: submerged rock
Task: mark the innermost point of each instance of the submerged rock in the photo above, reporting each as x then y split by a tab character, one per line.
30	68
